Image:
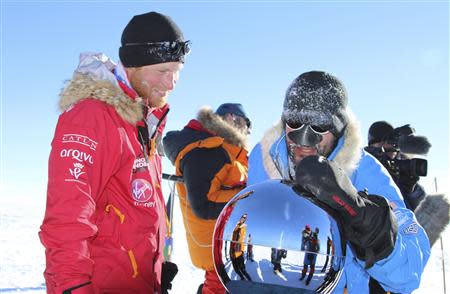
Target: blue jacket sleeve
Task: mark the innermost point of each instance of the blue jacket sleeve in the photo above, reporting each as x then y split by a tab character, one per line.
402	269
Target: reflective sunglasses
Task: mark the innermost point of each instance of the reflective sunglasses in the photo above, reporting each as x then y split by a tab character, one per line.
175	48
321	130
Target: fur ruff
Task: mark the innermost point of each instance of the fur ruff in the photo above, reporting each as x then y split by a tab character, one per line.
433	214
270	136
82	87
217	125
347	158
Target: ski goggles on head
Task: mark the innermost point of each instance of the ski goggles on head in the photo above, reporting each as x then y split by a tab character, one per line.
155	52
174	47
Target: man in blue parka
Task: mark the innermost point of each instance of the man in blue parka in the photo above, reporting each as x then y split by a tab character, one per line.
317	145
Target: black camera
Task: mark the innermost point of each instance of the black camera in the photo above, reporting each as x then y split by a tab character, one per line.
405	143
415	167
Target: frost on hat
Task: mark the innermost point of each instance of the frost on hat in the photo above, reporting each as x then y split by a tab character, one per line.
316	98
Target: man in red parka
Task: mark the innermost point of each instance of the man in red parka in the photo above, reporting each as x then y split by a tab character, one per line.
104	224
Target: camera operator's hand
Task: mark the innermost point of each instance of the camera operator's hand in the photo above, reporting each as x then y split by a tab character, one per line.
367	221
407	183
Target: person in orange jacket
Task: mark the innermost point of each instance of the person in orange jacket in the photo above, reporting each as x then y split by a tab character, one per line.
210	153
237	248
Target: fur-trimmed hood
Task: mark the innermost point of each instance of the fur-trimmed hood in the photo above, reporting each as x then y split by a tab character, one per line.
217	125
347	154
208	124
433	214
94	79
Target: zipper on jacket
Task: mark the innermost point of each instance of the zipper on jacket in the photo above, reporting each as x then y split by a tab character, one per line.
130	252
116	211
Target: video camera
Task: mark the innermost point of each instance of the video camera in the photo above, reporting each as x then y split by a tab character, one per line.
415	167
404	141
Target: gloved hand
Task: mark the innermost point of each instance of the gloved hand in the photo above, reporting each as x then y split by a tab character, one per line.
367	221
407	183
168	273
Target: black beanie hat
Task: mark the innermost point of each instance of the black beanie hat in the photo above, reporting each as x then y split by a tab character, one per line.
148	28
379	132
316	98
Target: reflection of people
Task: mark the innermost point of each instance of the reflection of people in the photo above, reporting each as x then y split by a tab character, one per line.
237	248
329	250
104	224
306	235
312	245
210	153
276	256
317	144
250	248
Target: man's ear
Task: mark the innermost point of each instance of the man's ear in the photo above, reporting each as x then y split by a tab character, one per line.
130	71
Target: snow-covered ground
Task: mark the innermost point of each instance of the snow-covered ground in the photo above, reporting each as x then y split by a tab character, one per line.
22	256
261	270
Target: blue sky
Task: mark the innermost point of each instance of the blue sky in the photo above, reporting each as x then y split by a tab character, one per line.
393	58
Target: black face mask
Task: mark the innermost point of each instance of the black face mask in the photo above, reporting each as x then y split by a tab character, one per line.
305	136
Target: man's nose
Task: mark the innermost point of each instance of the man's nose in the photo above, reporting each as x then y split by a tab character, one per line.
170	80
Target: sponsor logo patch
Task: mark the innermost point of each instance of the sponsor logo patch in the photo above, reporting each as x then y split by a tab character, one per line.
80	139
140	164
78	155
401	217
141	190
342	203
411	229
76	172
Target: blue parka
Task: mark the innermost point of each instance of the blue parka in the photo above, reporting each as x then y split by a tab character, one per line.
401	271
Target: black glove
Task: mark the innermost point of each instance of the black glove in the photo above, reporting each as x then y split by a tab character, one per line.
367	221
169	271
407	183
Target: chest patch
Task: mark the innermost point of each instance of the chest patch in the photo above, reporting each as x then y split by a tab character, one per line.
141	190
140	164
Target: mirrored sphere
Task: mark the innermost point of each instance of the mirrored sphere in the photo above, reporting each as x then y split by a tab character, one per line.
268	239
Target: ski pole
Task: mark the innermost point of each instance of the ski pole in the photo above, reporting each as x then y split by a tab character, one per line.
442	245
169	215
172	178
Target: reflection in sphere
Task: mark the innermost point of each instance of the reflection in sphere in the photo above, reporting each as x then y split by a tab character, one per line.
268	239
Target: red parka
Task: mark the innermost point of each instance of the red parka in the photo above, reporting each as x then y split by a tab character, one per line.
105	217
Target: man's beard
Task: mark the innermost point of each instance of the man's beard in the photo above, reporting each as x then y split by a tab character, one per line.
293	162
145	91
156	102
